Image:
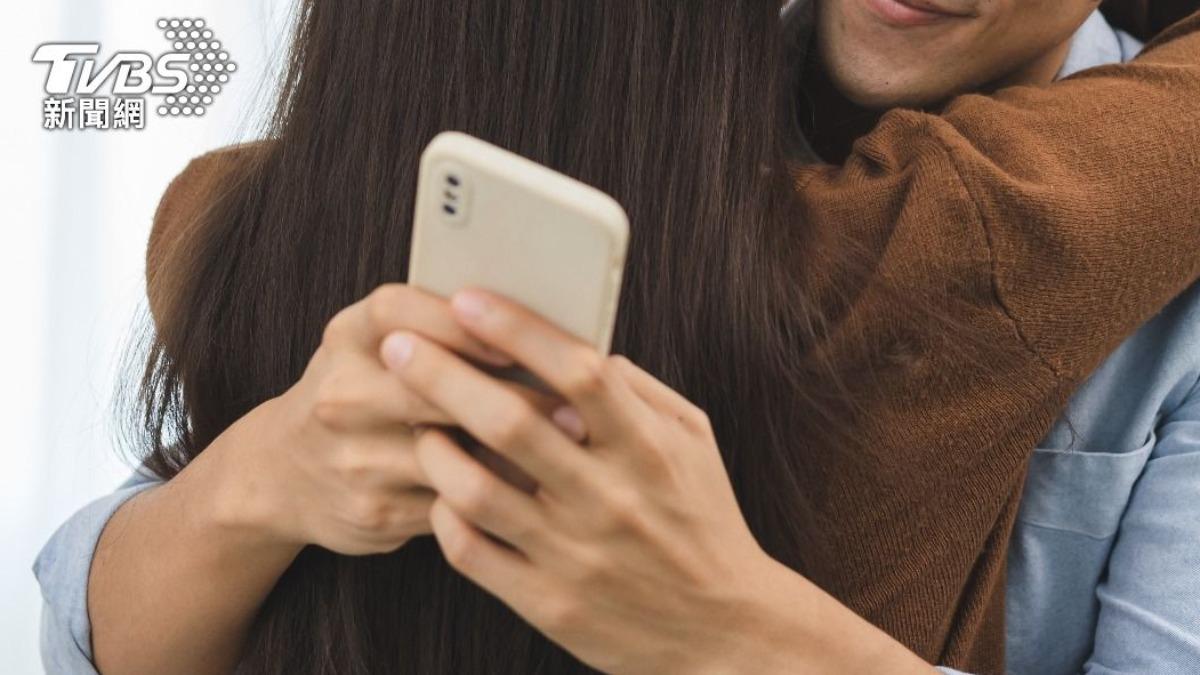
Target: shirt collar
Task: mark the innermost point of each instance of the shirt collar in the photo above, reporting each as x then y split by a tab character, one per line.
1096	43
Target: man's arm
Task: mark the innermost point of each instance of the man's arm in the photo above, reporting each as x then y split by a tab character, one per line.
1088	192
1049	223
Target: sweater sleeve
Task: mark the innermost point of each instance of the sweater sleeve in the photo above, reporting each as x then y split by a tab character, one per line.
1085	191
1041	226
1088	192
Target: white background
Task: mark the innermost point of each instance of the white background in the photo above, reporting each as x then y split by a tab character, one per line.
77	208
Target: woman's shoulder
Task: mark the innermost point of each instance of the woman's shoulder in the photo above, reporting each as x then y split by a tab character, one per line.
180	208
1162	359
1152	374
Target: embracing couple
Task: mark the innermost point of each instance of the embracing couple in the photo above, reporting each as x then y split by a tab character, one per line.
906	372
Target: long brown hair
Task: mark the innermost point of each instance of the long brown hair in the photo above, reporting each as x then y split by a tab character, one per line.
678	109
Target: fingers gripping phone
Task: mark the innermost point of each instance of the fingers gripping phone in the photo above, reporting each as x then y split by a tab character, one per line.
488	218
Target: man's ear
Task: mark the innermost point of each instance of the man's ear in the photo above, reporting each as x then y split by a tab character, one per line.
179	215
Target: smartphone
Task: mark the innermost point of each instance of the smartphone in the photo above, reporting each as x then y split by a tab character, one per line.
489	218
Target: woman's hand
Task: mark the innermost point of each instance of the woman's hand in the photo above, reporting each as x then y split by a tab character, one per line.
339	468
330	462
632	546
632	553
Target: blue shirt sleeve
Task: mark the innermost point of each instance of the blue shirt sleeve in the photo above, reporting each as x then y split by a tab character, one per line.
1149	619
62	569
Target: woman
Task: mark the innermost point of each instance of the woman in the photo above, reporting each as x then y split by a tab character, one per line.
840	380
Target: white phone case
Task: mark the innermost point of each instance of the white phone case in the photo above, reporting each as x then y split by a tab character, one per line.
491	219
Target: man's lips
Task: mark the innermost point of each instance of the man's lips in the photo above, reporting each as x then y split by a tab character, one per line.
912	12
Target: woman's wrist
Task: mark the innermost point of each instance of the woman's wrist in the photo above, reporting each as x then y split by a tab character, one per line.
206	538
796	627
248	500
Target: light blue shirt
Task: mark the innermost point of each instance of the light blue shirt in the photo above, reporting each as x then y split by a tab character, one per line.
1104	568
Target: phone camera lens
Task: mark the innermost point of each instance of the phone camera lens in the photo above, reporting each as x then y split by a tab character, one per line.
450	210
453	180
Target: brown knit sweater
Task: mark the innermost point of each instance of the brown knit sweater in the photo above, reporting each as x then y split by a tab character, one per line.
1052	221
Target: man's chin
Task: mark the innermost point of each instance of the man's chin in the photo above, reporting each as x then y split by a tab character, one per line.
877	95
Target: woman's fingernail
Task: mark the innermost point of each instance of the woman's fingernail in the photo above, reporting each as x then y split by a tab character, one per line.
469	305
568	419
397	349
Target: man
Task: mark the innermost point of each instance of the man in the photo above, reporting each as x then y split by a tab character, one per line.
874	55
1105	556
887	53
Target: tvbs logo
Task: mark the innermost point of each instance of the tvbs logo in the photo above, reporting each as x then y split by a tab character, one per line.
186	80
